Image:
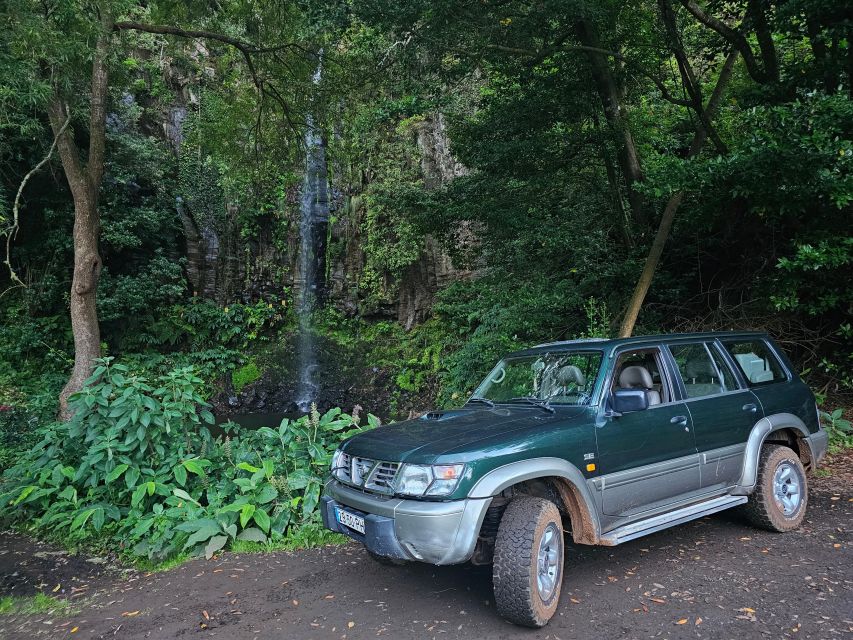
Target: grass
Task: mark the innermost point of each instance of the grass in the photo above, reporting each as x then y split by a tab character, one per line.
30	605
307	536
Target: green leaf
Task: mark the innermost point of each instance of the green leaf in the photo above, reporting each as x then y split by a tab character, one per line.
131	477
207	531
261	519
267	494
183	495
245	466
214	545
252	534
151	486
246	513
233	507
81	518
196	466
180	472
115	473
98	518
23	496
138	494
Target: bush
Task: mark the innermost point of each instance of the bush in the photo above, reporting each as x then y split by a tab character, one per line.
138	467
839	430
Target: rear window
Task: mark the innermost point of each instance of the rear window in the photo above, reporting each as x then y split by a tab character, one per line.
702	371
756	361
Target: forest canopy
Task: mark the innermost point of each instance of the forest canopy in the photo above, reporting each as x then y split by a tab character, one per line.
498	174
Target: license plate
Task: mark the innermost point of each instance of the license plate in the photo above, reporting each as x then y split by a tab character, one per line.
350	520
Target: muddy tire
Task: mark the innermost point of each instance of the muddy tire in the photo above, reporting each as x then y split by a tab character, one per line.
528	567
388	562
781	491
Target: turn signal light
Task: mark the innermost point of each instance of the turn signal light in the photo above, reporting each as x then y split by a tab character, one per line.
590	466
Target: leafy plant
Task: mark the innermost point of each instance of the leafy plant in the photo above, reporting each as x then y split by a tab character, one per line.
138	466
839	429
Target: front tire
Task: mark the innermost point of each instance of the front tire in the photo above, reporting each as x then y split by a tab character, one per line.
781	492
527	573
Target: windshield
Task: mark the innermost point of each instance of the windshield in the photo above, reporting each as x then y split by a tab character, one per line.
555	378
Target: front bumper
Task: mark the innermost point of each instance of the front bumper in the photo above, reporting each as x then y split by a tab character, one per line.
434	532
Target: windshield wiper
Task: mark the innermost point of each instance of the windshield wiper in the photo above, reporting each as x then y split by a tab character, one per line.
485	401
536	402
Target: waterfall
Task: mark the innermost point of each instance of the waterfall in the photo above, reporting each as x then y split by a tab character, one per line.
313	223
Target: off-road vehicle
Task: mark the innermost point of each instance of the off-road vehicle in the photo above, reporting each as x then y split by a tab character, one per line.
607	440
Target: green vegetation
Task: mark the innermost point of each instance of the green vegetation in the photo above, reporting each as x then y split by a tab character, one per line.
502	174
839	429
137	466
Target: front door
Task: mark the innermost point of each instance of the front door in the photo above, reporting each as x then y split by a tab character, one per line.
647	459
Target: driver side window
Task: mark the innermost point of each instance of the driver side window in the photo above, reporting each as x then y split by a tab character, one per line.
643	369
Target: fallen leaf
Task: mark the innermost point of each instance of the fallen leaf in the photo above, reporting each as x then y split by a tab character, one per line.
746	538
329	597
698	621
130	614
56	588
350	624
205	614
658	600
747	610
575	600
74	629
682	621
836	546
296	603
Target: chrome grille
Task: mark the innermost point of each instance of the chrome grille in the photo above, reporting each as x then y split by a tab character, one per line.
382	478
374	475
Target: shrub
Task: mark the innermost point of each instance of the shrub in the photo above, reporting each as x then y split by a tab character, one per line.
245	375
138	467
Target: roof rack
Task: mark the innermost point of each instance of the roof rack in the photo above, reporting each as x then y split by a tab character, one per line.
576	341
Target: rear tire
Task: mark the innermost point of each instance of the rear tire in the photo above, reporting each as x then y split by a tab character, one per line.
527	573
781	491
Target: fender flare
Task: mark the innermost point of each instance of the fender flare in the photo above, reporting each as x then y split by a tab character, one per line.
574	491
759	434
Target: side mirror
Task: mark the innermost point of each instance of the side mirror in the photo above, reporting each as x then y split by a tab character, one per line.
627	400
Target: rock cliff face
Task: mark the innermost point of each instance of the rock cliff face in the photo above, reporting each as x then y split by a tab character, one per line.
225	265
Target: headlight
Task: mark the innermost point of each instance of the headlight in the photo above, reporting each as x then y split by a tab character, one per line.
429	480
337	464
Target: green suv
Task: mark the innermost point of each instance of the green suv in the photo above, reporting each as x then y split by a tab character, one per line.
608	440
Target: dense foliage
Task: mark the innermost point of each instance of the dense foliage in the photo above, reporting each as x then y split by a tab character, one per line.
138	465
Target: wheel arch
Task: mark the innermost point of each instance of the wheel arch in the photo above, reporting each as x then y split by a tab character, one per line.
780	428
565	478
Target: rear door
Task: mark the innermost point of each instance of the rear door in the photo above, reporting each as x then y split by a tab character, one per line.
648	458
722	412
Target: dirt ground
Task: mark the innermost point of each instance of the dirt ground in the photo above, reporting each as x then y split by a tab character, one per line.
712	578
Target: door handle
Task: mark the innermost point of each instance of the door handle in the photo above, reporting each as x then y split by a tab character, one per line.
750	406
678	420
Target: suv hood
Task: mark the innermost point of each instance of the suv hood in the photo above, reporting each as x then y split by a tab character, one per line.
424	438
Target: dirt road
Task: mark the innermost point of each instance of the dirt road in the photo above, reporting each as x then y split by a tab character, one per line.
713	578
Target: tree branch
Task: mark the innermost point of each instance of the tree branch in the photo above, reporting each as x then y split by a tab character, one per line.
734	38
538	56
12	231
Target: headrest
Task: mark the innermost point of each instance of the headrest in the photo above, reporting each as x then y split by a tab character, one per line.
635	377
699	369
569	374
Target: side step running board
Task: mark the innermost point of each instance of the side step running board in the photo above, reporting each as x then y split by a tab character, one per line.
669	519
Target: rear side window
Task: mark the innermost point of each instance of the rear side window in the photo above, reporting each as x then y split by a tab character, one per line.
756	361
701	372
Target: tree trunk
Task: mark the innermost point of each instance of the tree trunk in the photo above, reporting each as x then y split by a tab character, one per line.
85	184
662	235
611	99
